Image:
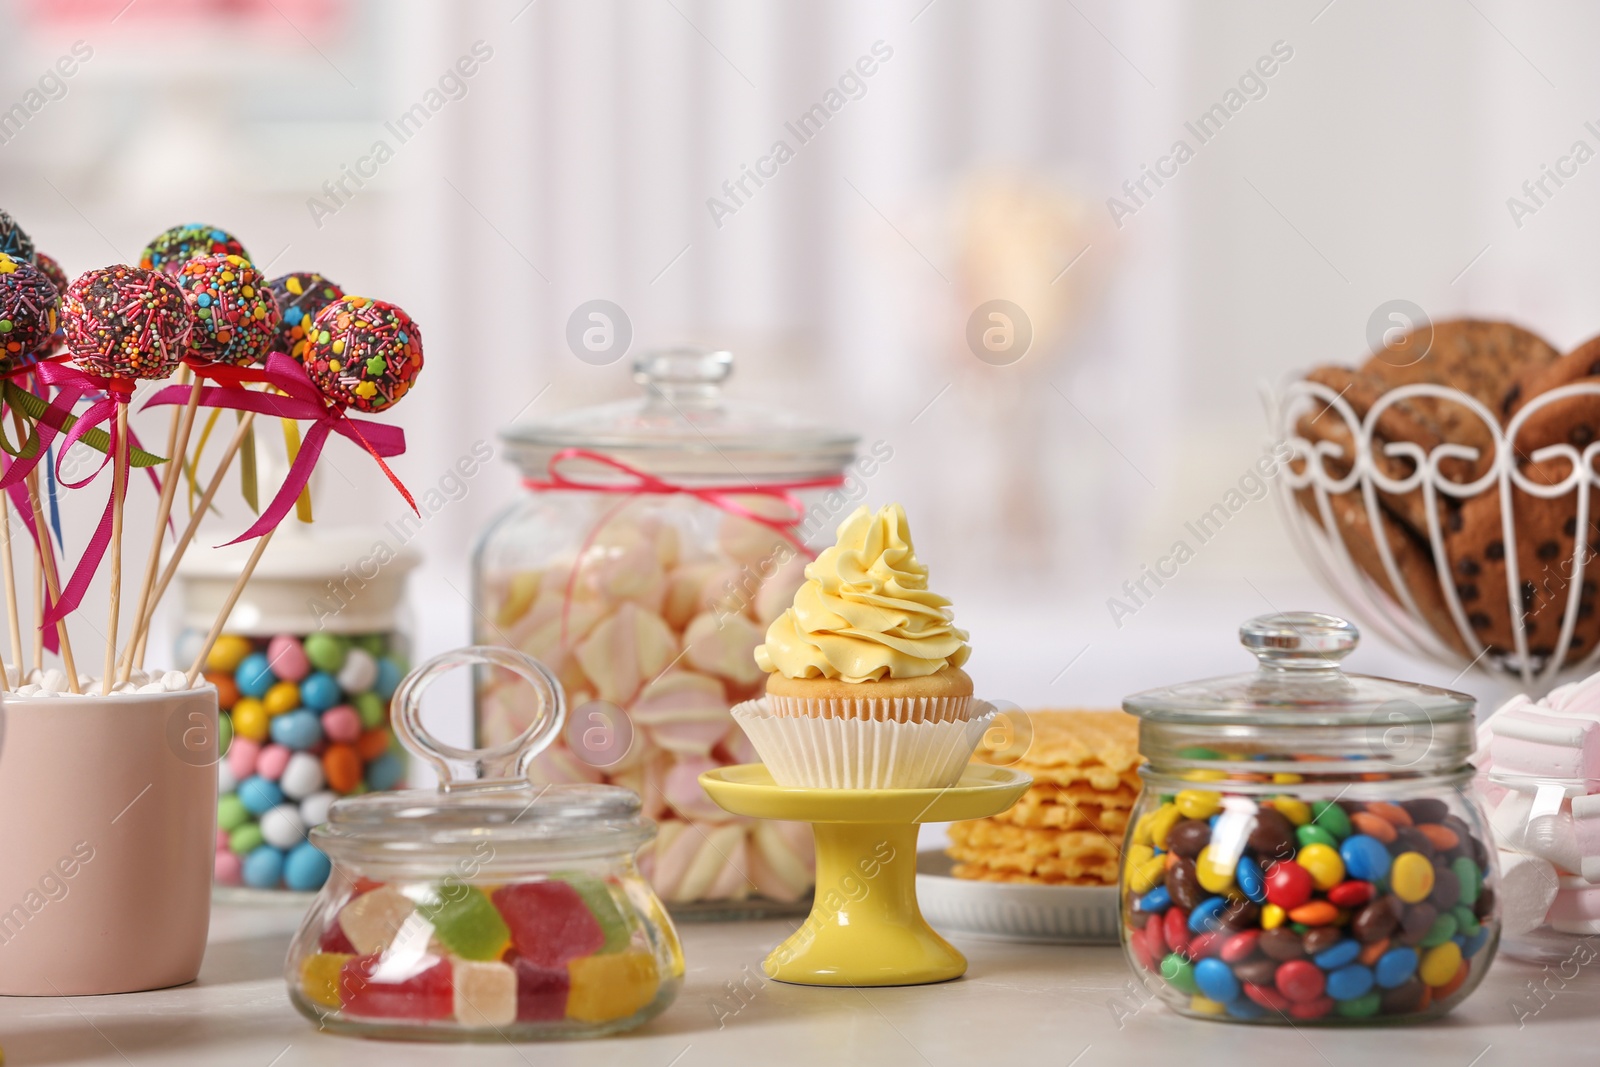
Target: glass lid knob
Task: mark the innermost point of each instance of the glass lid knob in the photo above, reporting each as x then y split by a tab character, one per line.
1299	640
683	375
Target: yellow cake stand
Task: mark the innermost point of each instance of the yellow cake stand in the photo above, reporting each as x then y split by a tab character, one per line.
865	928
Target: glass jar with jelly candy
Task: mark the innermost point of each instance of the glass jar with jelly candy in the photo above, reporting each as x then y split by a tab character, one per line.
1307	848
304	671
654	541
491	908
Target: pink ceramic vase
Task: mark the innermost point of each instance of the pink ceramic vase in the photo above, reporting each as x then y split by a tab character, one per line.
108	816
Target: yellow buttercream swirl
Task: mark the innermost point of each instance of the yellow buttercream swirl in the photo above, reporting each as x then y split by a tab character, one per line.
865	612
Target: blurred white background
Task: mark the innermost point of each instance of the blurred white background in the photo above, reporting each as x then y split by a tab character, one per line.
976	162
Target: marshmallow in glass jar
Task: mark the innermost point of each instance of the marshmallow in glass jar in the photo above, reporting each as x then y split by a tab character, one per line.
656	541
1539	776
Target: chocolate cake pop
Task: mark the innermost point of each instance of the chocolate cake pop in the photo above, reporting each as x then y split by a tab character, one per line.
14	240
363	353
172	248
27	311
301	297
127	322
236	317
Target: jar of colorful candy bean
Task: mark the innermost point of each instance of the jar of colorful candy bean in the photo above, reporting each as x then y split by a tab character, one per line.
657	539
488	909
304	671
1307	847
1539	776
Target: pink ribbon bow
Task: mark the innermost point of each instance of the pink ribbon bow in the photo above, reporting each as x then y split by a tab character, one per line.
298	398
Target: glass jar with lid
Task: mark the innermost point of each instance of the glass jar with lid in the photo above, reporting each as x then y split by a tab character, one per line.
656	540
491	908
1307	847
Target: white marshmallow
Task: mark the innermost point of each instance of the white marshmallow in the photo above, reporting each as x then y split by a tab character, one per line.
1527	889
54	680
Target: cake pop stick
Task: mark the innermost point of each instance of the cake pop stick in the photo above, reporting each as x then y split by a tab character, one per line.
123	323
13	616
119	493
237	320
184	539
362	353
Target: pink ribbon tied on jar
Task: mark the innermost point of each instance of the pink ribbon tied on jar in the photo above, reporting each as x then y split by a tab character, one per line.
637	483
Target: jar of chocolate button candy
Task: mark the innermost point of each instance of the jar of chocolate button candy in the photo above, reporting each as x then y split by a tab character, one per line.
304	670
1307	848
489	908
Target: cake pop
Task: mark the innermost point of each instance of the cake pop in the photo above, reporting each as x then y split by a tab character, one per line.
27	310
172	248
14	240
127	322
236	317
301	297
58	278
363	353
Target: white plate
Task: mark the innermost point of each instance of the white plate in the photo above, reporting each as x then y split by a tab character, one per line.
1002	911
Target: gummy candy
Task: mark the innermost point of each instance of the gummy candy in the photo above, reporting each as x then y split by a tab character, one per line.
597	895
371	920
333	939
319	976
395	989
485	993
541	991
465	922
611	986
550	922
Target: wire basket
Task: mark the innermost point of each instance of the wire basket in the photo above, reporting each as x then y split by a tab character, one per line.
1405	582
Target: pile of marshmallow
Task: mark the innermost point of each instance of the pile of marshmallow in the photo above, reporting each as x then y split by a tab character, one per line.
647	620
1539	772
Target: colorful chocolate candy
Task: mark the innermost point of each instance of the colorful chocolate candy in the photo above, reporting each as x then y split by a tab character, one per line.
235	314
172	248
1288	910
28	319
308	720
566	949
126	322
363	353
301	298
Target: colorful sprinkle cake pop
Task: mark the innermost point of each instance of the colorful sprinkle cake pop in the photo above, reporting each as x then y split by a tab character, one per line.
363	353
14	240
177	246
234	311
127	322
51	269
301	298
27	310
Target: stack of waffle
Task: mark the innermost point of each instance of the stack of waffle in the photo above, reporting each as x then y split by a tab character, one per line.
1067	829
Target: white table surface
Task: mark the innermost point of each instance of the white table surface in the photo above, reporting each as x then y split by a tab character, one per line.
1019	1004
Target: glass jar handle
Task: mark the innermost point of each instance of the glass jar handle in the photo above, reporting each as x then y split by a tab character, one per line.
501	764
1299	640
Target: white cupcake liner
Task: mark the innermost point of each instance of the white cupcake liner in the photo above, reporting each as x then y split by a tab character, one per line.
881	709
840	752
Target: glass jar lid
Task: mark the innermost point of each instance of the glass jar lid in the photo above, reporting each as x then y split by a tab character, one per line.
1299	682
684	429
485	812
